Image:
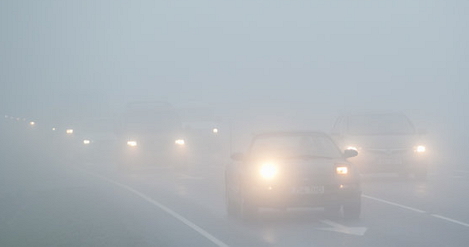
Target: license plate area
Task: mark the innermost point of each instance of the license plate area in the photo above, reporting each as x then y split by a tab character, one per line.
308	190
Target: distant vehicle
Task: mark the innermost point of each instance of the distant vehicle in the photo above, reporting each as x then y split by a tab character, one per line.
96	139
292	169
150	133
386	143
207	133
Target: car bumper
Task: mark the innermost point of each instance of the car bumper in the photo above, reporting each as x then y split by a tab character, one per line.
286	196
369	163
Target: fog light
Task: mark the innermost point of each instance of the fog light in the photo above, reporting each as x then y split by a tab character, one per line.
341	170
420	149
132	143
268	171
180	142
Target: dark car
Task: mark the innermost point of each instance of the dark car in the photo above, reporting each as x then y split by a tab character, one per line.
386	141
292	169
150	134
96	140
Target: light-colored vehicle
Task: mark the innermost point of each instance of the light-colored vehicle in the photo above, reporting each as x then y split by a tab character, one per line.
386	142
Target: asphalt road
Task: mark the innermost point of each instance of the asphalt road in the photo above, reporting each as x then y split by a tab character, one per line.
50	201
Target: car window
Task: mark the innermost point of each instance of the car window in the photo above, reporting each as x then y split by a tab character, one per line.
380	124
292	146
337	126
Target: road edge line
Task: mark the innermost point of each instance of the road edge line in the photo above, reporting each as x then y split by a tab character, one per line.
394	204
179	217
418	211
450	220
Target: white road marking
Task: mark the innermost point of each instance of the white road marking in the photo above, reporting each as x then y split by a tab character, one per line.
418	211
164	208
450	220
336	227
394	204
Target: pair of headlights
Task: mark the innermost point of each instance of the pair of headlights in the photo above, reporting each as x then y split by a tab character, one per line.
179	142
269	171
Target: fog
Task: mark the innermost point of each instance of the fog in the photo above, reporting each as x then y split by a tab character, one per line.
262	65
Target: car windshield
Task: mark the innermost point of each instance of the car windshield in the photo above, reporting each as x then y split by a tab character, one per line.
151	121
295	146
380	124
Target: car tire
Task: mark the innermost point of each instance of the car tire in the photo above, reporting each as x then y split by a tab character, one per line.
248	210
352	209
231	206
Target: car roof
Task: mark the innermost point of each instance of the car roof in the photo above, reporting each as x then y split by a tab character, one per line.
368	113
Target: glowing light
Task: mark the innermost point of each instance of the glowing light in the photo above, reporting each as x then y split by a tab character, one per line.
341	170
32	123
180	142
69	131
53	129
215	130
420	149
268	171
352	148
132	143
86	142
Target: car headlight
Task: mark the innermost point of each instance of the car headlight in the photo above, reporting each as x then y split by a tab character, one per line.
69	131
268	171
86	141
420	149
32	123
215	131
342	170
180	142
131	143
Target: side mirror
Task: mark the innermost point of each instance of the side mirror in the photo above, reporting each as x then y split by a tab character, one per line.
349	153
237	157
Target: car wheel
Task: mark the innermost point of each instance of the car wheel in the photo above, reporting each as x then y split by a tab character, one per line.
231	206
248	210
352	209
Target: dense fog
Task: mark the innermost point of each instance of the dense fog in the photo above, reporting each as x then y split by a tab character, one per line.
261	65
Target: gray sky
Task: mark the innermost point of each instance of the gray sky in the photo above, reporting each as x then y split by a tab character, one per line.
321	56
